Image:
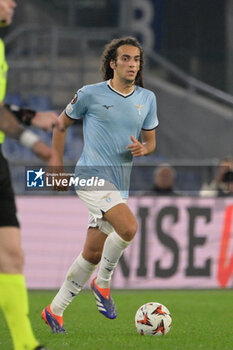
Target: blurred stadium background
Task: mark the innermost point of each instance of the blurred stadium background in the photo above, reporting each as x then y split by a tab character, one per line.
53	48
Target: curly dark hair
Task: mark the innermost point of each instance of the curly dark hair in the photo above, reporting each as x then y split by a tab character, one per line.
110	53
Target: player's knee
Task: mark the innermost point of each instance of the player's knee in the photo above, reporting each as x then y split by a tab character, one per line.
130	231
93	256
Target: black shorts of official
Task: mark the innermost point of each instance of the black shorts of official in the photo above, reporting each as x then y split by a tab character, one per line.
7	199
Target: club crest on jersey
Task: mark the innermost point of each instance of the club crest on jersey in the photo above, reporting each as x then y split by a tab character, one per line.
139	108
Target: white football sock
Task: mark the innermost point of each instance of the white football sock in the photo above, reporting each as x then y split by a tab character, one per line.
78	274
114	247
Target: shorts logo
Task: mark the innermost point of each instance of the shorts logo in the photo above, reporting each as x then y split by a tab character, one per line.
35	178
107	197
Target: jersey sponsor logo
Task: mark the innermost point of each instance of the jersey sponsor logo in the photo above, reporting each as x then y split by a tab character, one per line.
35	178
107	107
139	108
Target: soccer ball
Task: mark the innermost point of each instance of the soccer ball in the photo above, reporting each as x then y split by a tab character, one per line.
153	319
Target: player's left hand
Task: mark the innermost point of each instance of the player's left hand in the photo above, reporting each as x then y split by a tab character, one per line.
47	121
137	148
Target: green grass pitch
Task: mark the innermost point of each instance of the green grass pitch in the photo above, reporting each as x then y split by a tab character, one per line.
201	320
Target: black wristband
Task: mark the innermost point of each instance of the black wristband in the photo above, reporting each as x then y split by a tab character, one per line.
24	115
28	115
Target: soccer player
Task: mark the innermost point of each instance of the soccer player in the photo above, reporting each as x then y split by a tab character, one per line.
13	293
115	113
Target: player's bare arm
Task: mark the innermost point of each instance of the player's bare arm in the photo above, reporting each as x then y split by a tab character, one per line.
144	148
9	124
148	141
46	120
11	127
59	138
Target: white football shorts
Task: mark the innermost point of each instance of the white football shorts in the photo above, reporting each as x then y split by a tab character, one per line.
98	202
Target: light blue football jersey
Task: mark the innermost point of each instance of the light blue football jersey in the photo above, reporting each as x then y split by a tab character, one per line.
109	119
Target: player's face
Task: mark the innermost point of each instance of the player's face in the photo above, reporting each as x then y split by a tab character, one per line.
127	64
7	8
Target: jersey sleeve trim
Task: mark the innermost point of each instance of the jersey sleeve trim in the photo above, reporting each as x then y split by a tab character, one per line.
69	116
150	129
